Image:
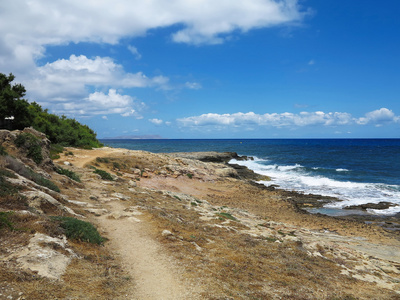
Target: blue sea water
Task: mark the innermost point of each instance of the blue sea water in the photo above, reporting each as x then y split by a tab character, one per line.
356	171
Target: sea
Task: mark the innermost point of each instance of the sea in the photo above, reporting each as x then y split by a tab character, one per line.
356	171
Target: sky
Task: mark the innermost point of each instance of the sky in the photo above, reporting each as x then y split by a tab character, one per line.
210	69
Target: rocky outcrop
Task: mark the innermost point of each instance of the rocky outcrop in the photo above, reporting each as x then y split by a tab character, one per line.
380	205
212	156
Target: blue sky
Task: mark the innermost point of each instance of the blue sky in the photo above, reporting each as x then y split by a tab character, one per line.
210	69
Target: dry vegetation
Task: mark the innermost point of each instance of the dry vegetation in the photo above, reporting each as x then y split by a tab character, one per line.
230	239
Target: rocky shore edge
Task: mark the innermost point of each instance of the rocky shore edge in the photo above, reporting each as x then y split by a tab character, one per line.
207	219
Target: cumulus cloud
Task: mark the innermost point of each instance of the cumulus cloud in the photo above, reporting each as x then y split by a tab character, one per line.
287	119
156	121
99	103
378	117
27	27
68	84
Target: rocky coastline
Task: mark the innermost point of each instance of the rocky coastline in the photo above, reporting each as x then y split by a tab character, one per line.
179	226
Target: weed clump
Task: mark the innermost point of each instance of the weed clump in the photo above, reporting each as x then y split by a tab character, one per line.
55	150
79	230
5	221
30	143
3	151
68	173
6	188
227	216
103	174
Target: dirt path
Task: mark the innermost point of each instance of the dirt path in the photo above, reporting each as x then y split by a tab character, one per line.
153	273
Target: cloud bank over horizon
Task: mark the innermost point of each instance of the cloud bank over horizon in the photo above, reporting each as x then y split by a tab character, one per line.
377	117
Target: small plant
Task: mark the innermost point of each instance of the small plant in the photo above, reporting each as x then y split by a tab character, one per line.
103	174
270	239
68	153
5	220
55	150
68	173
193	203
189	175
102	160
32	144
3	151
116	166
227	216
79	230
175	196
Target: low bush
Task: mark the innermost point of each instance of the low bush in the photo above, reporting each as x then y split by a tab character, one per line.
31	144
79	230
68	173
5	220
55	150
3	151
227	216
6	188
103	174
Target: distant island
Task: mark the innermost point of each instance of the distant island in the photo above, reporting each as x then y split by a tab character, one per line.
135	137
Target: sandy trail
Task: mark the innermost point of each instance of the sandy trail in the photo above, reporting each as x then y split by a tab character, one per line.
154	274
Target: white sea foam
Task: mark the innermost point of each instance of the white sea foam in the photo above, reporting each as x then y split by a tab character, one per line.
342	170
295	177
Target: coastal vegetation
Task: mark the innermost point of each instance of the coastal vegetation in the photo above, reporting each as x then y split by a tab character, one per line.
17	113
79	230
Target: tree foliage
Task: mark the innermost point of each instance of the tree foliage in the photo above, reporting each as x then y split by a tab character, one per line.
18	113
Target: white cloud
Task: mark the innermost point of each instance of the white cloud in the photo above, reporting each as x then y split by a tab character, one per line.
135	52
311	62
273	119
156	121
287	119
27	27
378	117
70	81
193	85
99	103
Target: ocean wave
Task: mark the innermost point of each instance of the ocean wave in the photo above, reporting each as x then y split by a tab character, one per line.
295	177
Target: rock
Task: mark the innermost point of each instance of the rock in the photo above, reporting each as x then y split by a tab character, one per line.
38	200
220	157
40	256
380	205
166	233
121	196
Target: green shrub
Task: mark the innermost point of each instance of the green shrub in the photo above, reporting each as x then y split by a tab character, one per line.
68	173
189	175
3	151
55	150
103	174
102	160
30	143
6	188
227	216
79	230
5	220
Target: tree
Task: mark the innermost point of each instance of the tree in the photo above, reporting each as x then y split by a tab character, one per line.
14	111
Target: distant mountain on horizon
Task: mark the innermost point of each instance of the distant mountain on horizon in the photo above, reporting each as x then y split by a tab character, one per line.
134	137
